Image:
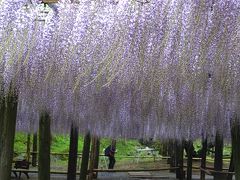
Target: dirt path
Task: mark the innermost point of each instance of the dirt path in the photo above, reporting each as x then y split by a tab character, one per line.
116	176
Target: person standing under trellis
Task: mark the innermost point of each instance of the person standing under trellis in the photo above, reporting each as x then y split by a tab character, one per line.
110	152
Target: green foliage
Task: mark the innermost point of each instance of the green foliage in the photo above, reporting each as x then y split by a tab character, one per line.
124	147
158	146
20	145
60	144
227	150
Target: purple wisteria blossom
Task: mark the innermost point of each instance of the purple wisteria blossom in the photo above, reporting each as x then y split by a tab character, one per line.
162	69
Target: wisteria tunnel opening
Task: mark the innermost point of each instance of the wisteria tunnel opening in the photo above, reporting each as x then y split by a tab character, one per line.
168	70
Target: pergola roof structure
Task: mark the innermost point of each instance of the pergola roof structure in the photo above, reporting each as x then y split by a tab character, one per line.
163	69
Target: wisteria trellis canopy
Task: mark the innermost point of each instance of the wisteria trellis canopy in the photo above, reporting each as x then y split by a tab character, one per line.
126	68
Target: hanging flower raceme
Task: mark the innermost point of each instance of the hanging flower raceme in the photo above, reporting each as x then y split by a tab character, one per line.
124	68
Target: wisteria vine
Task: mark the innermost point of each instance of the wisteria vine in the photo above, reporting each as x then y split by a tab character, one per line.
127	68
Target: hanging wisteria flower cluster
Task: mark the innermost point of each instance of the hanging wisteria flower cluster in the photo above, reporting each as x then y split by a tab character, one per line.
126	68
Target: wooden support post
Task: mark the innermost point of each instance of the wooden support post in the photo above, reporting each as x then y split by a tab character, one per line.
2	107
231	167
97	156
218	159
34	149
236	148
28	147
44	147
179	160
164	149
189	159
92	158
203	157
7	135
73	150
177	154
171	151
85	157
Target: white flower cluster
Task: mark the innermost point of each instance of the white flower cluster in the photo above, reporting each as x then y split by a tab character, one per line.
127	68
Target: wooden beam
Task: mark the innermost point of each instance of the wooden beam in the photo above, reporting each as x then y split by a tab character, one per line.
97	170
36	171
135	170
213	172
205	171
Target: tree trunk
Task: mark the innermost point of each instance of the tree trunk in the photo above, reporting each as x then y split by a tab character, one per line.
231	168
2	107
171	152
189	160
73	150
179	160
218	159
92	157
85	157
7	134
164	149
97	156
236	149
28	147
34	149
44	147
203	157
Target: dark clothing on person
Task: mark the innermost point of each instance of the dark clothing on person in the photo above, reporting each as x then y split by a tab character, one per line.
111	162
110	151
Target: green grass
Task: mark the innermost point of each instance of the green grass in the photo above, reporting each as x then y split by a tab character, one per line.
226	150
60	144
